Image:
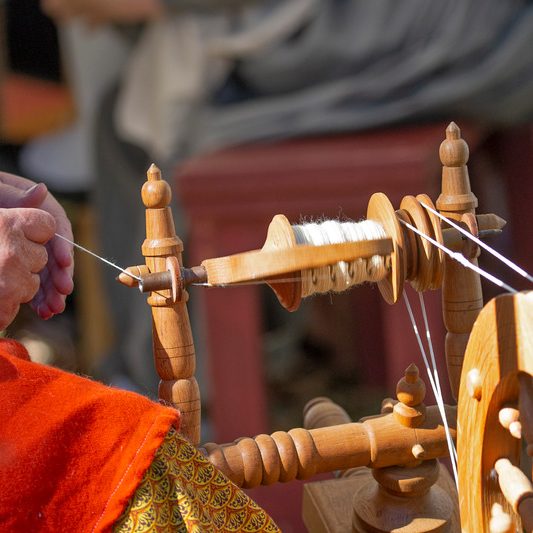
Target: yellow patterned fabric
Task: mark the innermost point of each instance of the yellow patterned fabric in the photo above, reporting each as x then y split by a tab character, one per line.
182	491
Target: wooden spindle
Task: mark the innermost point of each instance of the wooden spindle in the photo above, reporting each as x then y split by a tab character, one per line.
173	345
298	454
462	299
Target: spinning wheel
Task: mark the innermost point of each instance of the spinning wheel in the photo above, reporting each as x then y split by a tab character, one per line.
402	444
497	374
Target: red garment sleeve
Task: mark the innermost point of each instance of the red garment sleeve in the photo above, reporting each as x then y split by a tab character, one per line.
72	451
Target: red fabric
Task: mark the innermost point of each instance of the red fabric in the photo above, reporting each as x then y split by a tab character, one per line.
72	451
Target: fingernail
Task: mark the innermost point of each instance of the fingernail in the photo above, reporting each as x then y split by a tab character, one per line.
31	189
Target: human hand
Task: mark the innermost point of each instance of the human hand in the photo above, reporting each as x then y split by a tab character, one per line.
23	235
56	276
103	11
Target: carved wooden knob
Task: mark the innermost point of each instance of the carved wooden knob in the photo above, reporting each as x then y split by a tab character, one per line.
155	192
453	150
411	391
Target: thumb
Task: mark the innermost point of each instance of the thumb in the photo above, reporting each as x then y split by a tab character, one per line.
15	197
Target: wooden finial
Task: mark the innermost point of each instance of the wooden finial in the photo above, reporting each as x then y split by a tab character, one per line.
453	131
456	194
411	391
156	193
453	150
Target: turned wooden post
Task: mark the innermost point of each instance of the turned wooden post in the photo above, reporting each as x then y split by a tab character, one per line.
173	346
405	498
462	299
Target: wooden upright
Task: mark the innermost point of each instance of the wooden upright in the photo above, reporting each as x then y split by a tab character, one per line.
462	299
173	345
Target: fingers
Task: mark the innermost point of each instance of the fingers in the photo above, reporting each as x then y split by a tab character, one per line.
29	288
11	196
56	277
48	301
62	250
36	224
60	271
56	284
34	256
26	227
22	255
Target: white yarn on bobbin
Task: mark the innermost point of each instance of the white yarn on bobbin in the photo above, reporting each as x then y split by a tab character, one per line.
343	275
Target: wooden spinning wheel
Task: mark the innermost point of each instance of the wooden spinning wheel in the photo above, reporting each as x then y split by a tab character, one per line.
497	374
402	444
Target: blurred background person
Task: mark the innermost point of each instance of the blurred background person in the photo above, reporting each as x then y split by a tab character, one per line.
206	75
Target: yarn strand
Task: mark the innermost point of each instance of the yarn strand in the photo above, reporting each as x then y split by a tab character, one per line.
479	242
343	275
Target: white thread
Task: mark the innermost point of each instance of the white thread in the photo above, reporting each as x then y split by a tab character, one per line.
339	277
479	242
440	399
461	259
103	259
436	390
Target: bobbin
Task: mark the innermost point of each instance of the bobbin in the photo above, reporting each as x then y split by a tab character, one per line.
282	259
409	257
